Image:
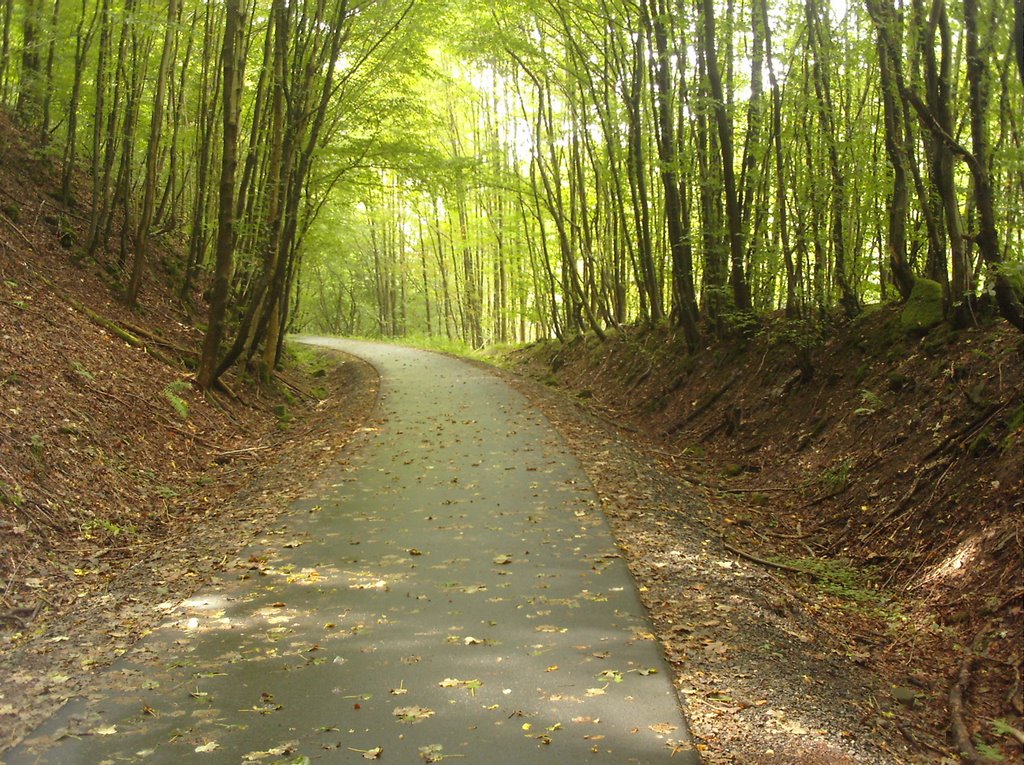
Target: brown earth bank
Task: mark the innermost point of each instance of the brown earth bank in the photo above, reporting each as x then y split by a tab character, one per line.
867	484
121	485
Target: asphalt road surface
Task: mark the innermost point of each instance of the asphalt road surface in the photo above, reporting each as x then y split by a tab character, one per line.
452	593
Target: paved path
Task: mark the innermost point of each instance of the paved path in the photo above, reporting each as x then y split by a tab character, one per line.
452	592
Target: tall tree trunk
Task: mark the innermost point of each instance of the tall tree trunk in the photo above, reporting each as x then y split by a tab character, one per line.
734	215
47	86
819	39
83	41
890	64
231	65
29	92
5	49
150	182
684	300
988	235
781	205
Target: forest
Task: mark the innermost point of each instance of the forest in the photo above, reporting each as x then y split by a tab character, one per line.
485	173
761	263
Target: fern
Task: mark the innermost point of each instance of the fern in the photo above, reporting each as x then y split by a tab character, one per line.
171	394
872	403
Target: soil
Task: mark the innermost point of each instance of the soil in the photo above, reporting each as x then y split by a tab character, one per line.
828	534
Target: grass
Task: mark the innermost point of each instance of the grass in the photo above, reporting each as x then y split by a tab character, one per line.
845	582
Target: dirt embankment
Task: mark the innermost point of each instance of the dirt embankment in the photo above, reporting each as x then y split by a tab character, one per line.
880	474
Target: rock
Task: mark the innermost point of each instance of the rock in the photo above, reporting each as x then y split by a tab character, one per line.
905	695
925	308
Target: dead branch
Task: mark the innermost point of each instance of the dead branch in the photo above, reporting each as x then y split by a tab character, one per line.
294	386
961	736
149	335
109	325
763	562
900	506
707	404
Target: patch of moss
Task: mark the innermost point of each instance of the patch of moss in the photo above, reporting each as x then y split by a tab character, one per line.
899	381
981	444
936	342
1013	427
925	309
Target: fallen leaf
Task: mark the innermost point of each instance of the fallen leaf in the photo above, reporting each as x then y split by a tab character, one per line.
208	747
412	714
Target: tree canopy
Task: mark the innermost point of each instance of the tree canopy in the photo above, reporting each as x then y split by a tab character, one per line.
500	172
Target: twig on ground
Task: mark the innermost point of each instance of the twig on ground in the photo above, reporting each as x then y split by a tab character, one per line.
763	562
961	735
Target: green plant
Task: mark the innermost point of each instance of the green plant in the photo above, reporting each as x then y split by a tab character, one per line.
836	476
36	445
840	579
109	528
11	495
986	751
871	403
171	391
81	371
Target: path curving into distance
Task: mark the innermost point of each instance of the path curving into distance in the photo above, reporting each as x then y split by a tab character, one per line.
453	592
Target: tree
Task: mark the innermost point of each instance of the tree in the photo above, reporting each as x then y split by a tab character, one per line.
231	78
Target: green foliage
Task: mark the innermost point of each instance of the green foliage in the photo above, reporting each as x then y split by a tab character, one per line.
987	751
1014	273
37	446
841	579
171	391
1001	727
12	210
870	403
81	371
1014	424
93	527
284	417
11	495
836	477
804	336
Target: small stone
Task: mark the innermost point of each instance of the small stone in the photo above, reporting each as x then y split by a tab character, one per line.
904	695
